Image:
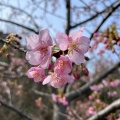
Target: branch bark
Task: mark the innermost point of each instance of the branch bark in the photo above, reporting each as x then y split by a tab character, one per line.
14	46
41	93
15	23
18	9
105	112
102	22
94	16
68	14
13	108
76	93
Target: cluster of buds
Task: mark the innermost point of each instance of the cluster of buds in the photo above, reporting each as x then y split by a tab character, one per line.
13	39
38	102
80	70
98	105
109	38
60	99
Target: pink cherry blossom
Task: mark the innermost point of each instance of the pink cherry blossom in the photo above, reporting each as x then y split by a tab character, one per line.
96	87
63	101
58	80
112	93
91	111
63	65
90	97
106	83
37	73
76	44
115	83
54	97
40	47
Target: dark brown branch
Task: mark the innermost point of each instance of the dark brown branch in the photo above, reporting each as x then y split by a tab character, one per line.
41	93
76	93
68	14
13	45
29	15
15	23
105	112
94	16
88	6
13	108
102	22
4	64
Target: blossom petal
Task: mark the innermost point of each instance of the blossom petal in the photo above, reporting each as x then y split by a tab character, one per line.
37	73
33	57
45	37
76	57
32	41
47	60
47	79
62	41
69	78
63	65
83	44
77	34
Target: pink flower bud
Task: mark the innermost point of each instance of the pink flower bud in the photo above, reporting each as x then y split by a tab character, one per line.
77	75
118	43
85	71
50	67
95	34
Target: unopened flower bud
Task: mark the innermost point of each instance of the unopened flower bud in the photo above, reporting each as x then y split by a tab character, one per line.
95	34
1	52
18	43
85	71
87	58
18	36
77	75
4	48
50	67
118	43
8	55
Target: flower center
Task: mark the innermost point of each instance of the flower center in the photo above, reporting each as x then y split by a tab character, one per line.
36	74
72	46
55	77
61	63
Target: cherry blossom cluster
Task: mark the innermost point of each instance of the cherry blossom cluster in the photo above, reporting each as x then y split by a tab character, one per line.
110	37
59	99
70	49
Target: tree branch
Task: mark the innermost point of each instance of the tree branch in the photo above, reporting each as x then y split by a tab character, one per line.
68	14
13	45
29	15
102	22
13	108
15	23
94	16
76	93
41	93
4	64
105	112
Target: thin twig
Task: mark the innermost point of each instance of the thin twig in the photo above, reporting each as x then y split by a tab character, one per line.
76	93
41	93
13	45
94	16
13	108
105	112
102	22
20	25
